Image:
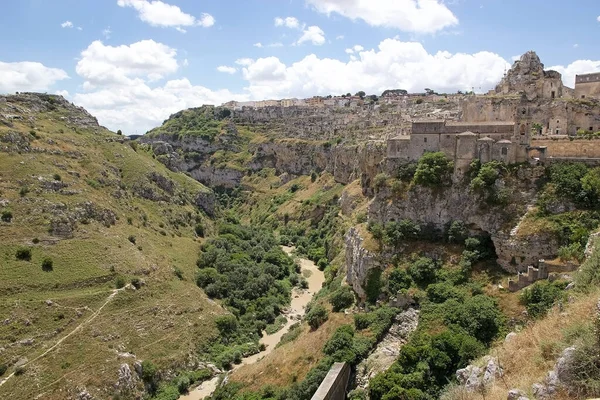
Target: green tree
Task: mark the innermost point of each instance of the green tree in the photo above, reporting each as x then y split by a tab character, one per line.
341	298
423	270
433	169
226	324
316	316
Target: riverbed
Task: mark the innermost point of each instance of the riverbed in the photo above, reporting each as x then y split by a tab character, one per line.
295	312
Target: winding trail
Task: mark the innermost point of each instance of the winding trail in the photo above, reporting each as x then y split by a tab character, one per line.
77	328
300	298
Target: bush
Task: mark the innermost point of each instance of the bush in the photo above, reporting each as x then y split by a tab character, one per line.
178	273
398	279
3	369
226	324
6	216
433	169
313	176
380	180
132	239
149	374
423	270
403	230
317	316
341	298
23	254
457	232
199	229
47	264
57	177
23	191
541	296
119	282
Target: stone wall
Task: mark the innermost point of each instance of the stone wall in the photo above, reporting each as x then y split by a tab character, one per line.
587	86
359	261
564	147
334	385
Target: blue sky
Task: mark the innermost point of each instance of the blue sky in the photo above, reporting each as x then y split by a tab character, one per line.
134	62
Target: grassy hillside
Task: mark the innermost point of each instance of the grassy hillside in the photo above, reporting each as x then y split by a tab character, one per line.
106	239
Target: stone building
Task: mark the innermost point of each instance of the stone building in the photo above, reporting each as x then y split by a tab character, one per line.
587	86
463	142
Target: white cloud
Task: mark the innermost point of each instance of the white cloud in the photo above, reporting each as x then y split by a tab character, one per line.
101	64
358	48
106	32
185	62
339	37
28	76
394	64
244	61
598	19
259	45
419	16
312	34
349	51
289	22
576	68
180	29
576	45
137	107
62	93
67	24
79	28
226	69
276	44
157	13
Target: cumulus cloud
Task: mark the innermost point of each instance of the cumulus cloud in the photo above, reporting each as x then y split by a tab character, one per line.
28	76
101	64
576	68
598	19
418	16
157	13
312	34
63	93
106	32
244	61
226	69
289	22
258	44
67	24
138	107
356	48
394	64
339	37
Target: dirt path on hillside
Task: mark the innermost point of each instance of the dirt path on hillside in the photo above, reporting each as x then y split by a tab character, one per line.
77	328
300	298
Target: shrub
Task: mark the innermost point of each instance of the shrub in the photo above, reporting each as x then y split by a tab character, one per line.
199	229
119	282
313	176
541	296
341	298
403	230
433	169
3	369
119	132
226	324
178	273
6	216
317	316
149	373
23	254
23	191
380	180
423	270
398	279
132	239
457	232
47	264
57	177
35	240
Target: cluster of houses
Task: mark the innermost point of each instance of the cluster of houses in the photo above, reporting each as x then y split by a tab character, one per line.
391	97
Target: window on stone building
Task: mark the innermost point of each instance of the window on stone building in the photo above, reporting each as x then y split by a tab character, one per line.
553	94
424	140
504	151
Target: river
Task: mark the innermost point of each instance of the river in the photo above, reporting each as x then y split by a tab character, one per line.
300	298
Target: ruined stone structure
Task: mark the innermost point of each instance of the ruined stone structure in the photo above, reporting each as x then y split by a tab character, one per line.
532	275
587	86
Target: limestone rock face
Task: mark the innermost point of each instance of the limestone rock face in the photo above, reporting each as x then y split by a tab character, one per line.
388	349
474	378
359	261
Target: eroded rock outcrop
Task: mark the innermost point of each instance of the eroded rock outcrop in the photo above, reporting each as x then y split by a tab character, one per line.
359	261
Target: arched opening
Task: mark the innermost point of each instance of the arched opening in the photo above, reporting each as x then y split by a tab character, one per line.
522	129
